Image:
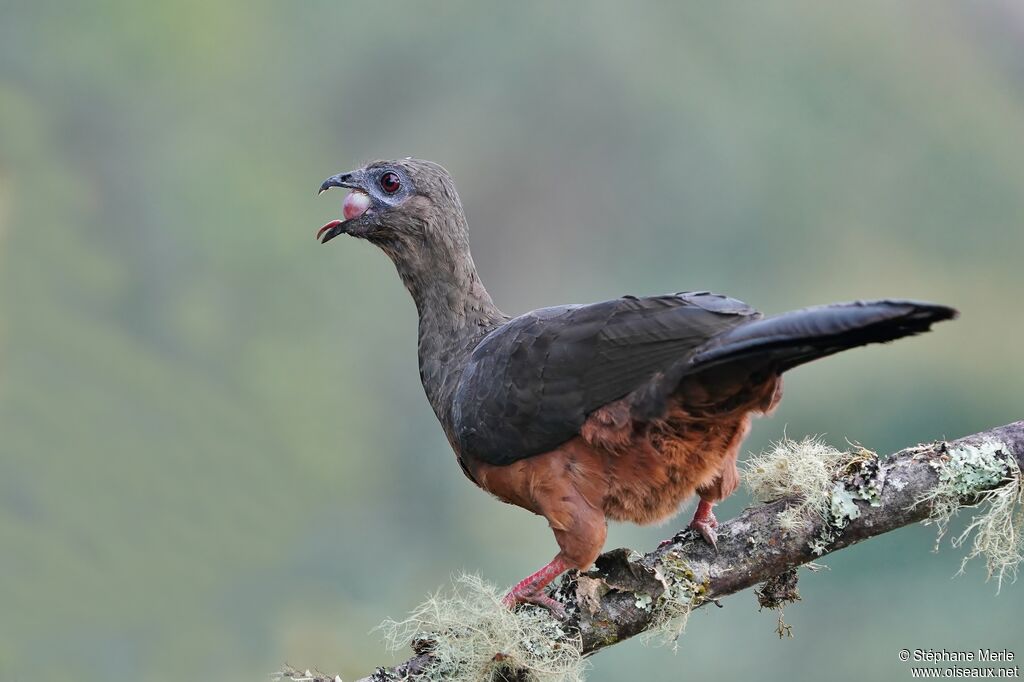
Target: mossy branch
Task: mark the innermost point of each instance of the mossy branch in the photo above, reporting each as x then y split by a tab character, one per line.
628	593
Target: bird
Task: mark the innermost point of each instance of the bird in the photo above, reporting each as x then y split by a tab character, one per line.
619	410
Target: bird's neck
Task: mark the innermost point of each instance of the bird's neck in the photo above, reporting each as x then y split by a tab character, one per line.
455	313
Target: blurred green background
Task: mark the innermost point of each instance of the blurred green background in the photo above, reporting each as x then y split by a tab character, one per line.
216	456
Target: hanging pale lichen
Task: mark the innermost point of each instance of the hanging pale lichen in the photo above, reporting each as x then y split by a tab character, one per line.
985	475
802	470
471	636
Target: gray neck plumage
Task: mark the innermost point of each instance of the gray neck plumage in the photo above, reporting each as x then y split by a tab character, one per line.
455	313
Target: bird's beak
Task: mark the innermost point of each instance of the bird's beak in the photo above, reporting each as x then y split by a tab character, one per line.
339	180
336	227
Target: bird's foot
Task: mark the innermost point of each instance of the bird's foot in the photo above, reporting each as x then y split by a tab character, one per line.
705	523
537	598
531	589
707	531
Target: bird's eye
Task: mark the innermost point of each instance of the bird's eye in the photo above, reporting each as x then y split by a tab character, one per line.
390	182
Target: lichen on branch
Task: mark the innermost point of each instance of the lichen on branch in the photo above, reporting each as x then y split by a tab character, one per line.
816	500
471	637
988	472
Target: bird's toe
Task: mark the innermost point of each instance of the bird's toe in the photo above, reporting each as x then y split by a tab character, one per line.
706	528
707	531
538	599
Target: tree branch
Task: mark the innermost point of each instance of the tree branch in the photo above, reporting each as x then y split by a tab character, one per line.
627	593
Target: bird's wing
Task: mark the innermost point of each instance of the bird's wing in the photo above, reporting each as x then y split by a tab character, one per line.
530	384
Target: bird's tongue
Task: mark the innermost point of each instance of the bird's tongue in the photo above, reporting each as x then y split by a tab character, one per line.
355	204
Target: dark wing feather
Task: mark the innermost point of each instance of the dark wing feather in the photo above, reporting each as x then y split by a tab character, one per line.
530	384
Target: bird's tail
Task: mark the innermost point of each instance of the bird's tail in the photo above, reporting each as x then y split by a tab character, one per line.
782	342
751	353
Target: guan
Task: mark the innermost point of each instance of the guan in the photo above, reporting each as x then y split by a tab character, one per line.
618	410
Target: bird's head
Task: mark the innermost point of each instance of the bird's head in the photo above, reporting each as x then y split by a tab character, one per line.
401	204
409	209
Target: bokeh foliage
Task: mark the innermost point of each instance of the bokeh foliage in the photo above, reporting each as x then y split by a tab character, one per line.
215	455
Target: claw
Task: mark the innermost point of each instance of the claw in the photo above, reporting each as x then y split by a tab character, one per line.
707	531
704	522
537	598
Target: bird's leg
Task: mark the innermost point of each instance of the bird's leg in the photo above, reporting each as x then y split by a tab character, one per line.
705	522
531	589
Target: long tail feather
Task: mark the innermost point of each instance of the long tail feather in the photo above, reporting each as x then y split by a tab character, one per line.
796	337
751	353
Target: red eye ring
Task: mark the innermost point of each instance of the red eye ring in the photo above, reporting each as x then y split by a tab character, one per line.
390	182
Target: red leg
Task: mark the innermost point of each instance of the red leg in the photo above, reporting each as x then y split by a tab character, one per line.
704	521
531	589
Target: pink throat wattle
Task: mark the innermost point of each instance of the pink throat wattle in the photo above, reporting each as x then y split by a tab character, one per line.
355	204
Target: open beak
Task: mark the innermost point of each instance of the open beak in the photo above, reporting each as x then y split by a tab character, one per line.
336	227
330	231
